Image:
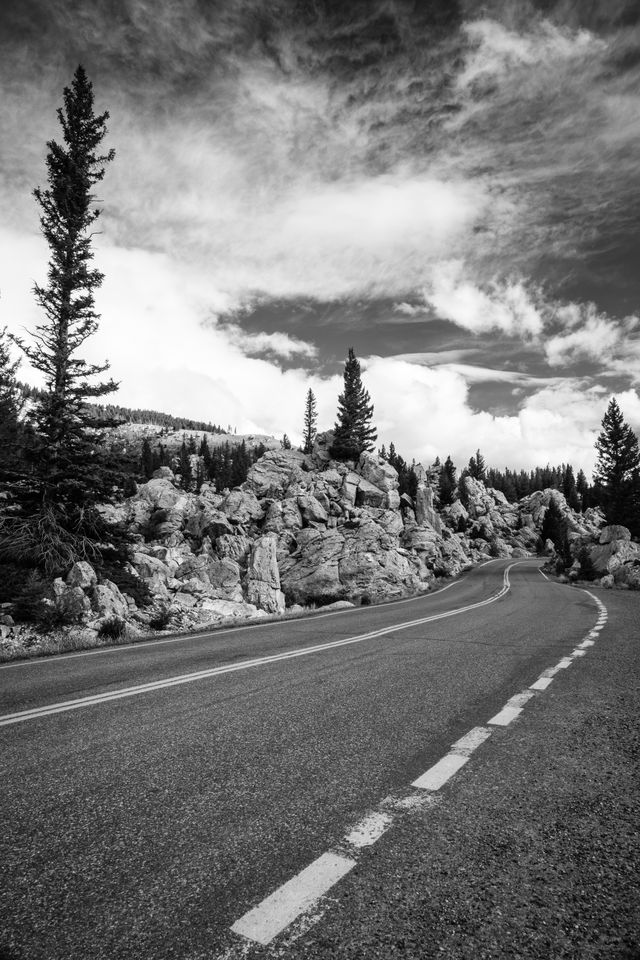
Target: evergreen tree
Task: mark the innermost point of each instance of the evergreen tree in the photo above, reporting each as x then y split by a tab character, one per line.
310	421
582	489
617	472
68	474
447	482
569	488
184	467
146	460
477	467
11	403
554	528
353	431
68	442
285	443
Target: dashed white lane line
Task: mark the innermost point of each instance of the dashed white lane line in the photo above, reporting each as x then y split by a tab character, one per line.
299	894
505	716
302	894
66	705
369	829
541	683
471	741
437	775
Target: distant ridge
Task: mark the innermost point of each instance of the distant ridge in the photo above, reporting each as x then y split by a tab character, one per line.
129	415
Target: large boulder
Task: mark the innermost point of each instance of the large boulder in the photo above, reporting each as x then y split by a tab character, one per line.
613	532
424	509
273	473
378	472
263	577
309	573
207	521
235	547
368	495
607	557
107	600
242	507
81	575
311	510
73	604
159	492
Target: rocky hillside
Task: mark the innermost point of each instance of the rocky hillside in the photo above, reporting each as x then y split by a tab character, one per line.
305	530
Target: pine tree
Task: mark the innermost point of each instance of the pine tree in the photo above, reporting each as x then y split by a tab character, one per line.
68	472
310	421
146	460
477	467
582	489
617	473
447	482
11	403
68	465
353	431
569	488
184	467
285	443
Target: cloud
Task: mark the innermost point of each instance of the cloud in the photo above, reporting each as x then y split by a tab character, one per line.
497	51
593	336
279	344
506	306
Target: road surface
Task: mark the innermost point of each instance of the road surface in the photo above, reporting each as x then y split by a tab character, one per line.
214	796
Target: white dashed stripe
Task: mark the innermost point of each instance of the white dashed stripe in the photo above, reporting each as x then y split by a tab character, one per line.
437	775
277	911
370	829
505	716
471	741
541	683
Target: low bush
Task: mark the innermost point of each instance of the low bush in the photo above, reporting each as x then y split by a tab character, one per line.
114	628
161	620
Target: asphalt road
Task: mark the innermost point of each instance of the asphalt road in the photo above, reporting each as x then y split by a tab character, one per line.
146	826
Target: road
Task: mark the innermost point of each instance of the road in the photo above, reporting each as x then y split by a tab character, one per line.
156	797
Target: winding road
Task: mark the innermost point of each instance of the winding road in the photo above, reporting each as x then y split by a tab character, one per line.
207	796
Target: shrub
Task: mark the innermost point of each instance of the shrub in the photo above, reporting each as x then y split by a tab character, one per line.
365	600
161	619
114	628
587	569
30	601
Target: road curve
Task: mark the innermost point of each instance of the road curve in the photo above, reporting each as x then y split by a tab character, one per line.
146	825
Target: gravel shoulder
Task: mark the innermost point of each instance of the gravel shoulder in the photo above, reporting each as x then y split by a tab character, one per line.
533	850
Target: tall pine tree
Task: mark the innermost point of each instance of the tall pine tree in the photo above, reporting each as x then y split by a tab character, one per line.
310	421
68	474
353	431
447	482
617	473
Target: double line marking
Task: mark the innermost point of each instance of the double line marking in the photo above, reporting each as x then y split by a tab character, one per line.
120	694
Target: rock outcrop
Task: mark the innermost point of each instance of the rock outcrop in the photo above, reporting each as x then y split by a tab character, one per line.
307	530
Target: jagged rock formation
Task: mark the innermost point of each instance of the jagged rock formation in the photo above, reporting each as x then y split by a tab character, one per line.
306	530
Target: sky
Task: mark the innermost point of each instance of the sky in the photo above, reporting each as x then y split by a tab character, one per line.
450	187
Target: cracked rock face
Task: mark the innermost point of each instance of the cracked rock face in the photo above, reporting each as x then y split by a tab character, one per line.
305	529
